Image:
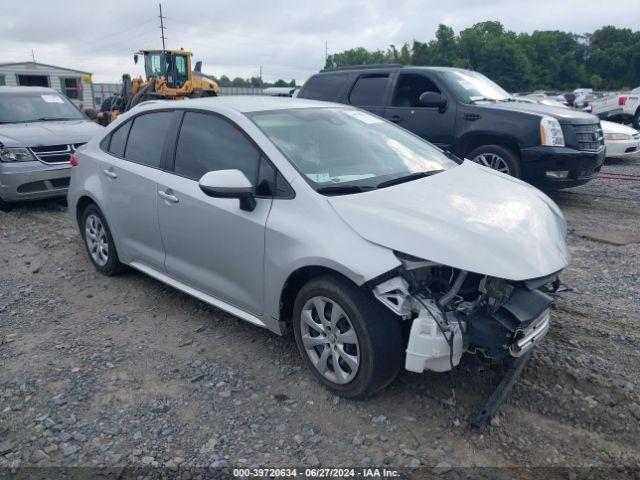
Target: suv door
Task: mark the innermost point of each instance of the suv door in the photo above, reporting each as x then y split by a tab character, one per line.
210	243
433	125
129	174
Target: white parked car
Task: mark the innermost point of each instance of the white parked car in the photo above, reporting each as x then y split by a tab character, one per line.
378	249
620	140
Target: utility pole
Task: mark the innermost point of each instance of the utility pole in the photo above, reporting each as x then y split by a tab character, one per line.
33	56
260	76
162	27
326	52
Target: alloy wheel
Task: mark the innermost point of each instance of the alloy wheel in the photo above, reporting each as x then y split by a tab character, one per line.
329	339
493	161
96	239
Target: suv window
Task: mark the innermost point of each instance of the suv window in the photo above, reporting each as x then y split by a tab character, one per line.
208	142
410	87
119	140
147	137
369	91
324	87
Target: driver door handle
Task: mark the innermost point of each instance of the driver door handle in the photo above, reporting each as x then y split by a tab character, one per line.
168	196
110	173
396	119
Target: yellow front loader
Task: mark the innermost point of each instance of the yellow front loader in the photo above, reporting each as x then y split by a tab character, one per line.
168	77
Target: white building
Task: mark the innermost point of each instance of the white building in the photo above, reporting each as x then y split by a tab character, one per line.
75	84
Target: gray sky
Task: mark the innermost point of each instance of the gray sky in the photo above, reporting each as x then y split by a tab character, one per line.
286	37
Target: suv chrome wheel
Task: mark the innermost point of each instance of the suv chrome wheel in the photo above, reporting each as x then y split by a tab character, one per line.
330	340
96	238
494	161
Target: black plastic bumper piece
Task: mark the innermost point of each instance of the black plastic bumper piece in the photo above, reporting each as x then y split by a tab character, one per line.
499	395
581	165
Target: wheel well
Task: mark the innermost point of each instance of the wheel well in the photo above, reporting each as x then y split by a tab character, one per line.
292	286
81	205
472	142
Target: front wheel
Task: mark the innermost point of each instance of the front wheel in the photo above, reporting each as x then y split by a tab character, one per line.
498	158
352	344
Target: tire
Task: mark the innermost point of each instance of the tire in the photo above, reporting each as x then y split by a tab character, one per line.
4	206
378	345
497	157
95	228
636	120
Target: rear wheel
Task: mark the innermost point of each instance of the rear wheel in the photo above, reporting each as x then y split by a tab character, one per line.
352	345
498	158
99	242
636	120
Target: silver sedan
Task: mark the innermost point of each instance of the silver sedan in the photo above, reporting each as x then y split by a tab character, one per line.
376	248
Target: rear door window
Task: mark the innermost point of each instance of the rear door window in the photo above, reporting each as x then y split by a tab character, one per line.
208	142
369	91
147	137
324	86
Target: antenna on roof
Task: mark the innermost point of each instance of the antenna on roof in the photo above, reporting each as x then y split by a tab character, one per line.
162	27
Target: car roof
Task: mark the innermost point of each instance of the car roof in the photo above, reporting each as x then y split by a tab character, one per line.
387	67
242	103
13	90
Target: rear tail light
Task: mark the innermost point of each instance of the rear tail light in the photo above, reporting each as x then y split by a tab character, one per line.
622	101
73	160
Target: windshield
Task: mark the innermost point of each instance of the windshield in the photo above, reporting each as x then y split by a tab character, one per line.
473	86
342	148
36	107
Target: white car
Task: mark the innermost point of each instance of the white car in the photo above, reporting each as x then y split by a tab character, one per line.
620	140
378	249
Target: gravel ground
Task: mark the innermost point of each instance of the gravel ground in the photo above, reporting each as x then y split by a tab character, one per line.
98	371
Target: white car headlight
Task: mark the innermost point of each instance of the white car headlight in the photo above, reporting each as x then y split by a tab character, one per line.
16	155
617	136
551	132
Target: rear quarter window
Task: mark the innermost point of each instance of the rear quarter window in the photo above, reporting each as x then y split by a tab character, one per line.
119	140
324	86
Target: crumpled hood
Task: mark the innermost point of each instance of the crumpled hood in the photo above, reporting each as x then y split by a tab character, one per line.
468	217
48	133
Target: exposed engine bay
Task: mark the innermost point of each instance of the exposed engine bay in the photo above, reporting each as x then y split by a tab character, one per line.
453	311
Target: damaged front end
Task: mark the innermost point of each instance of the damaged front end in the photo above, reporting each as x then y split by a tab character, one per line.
453	311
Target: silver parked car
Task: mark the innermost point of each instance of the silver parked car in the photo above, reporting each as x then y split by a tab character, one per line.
375	247
39	130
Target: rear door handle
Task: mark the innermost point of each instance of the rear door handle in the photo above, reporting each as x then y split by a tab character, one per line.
396	119
110	173
168	196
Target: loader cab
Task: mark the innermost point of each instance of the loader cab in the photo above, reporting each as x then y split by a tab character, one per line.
174	66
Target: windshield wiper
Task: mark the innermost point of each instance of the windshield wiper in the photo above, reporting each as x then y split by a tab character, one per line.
407	178
52	119
343	189
483	99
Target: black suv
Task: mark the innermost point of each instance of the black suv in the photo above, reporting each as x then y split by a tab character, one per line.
471	116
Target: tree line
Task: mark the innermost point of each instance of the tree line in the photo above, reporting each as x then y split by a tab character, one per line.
255	82
607	59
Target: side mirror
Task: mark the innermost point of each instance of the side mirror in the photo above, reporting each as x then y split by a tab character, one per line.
90	113
432	100
135	58
229	184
